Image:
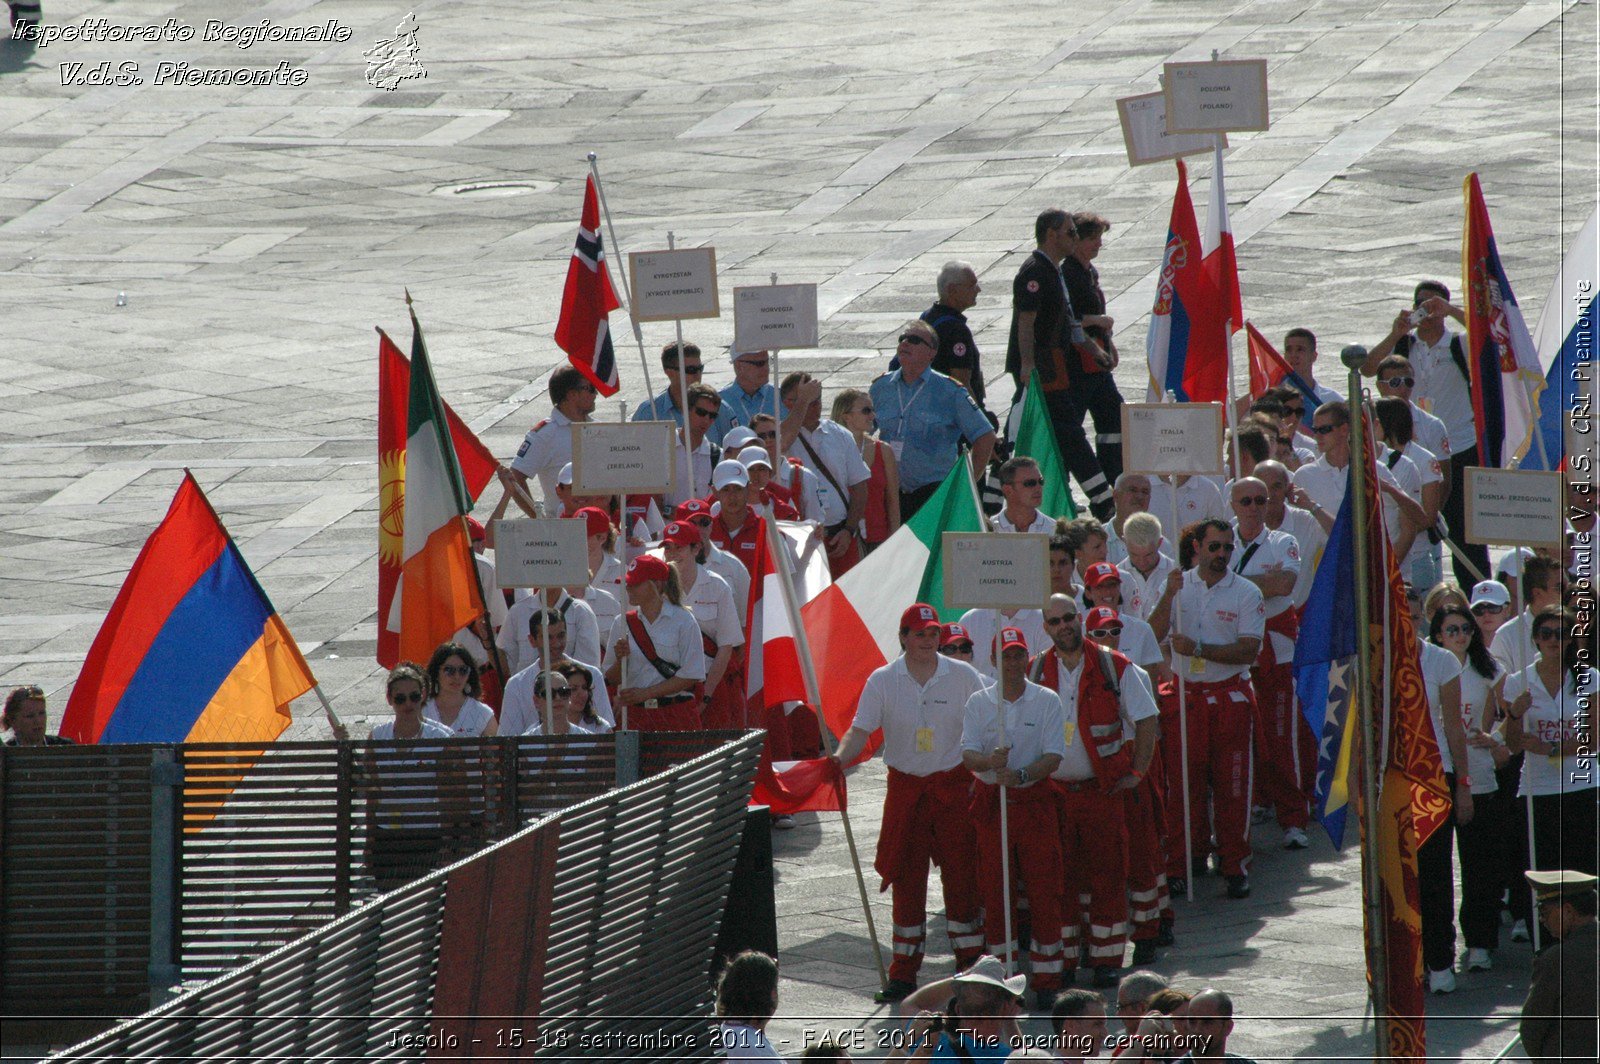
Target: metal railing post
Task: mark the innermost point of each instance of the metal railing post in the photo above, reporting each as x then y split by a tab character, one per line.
166	782
626	755
343	829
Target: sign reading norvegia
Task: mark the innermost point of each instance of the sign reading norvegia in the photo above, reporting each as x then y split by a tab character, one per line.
771	317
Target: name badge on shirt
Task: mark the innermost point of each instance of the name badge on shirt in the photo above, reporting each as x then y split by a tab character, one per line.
924	740
1067	730
1197	665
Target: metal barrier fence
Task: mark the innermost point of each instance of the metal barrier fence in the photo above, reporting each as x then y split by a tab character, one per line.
129	869
587	934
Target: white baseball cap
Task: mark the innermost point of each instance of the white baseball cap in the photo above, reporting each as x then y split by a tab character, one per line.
1489	593
738	437
754	456
729	471
565	476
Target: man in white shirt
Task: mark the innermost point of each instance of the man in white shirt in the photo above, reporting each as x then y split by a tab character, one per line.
696	454
1513	645
548	445
577	617
1022	485
521	708
1144	573
1130	496
1325	480
830	452
1419	476
1199	499
1109	731
1012	738
1301	524
1439	358
1218	620
1270	560
1300	351
920	702
984	624
1398	379
1102	586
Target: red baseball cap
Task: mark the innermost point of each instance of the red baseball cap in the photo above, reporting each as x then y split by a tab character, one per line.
681	534
597	520
692	508
475	529
1012	637
953	633
919	615
646	567
1102	617
1101	573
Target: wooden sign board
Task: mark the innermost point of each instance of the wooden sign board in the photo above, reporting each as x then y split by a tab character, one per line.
773	317
674	285
1514	507
547	552
1163	439
623	458
1216	96
1144	131
996	570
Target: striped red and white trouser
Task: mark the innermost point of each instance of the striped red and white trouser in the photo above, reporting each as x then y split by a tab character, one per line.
942	834
1145	810
1035	835
1094	851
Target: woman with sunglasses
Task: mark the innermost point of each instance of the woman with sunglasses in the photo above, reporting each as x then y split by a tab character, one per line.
581	716
1478	841
453	690
853	409
404	832
1542	721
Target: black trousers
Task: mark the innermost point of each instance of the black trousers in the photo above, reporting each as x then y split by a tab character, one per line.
1563	837
1479	844
1454	512
1067	409
911	501
1437	880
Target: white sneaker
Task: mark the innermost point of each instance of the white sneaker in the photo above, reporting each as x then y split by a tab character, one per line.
1442	982
783	822
1478	960
1519	931
1295	839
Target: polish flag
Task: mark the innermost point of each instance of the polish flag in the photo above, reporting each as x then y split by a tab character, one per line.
1216	247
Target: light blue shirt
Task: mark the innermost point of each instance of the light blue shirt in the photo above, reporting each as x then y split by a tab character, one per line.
658	409
738	408
929	418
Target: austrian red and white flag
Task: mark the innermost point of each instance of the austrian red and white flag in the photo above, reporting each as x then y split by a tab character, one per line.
773	673
1216	247
584	328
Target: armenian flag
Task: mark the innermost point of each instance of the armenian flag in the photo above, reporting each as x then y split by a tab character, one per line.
192	649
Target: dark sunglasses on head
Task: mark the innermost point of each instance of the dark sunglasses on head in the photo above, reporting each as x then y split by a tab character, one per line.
1323	430
1250	500
915	338
414	697
1399	382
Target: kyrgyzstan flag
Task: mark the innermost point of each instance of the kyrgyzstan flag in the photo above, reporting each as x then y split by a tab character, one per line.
477	470
584	330
438	590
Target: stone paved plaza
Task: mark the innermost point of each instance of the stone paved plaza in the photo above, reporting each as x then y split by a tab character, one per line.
259	233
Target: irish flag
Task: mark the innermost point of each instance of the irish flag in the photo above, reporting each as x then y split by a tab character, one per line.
854	626
438	589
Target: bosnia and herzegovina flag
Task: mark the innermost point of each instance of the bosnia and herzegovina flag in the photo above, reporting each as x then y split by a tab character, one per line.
1188	342
192	649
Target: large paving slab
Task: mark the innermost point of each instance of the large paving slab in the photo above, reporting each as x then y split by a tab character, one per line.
255	235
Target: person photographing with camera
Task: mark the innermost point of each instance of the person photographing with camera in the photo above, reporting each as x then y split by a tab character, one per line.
971	1016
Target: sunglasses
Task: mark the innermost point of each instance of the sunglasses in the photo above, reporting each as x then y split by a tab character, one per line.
1102	633
866	410
1455	629
1323	430
1250	500
915	338
455	670
956	648
1547	633
766	435
1479	611
1051	622
1033	482
414	698
693	371
701	412
1398	382
758	364
1220	548
700	522
1297	411
559	692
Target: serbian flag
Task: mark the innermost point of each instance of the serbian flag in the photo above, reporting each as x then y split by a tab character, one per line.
814	786
192	649
438	588
584	331
1268	370
1501	359
1221	266
1187	345
477	469
1566	337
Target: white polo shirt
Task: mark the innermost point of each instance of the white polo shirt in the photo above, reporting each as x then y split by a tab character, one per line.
731	569
1042	522
1442	386
1326	485
838	450
583	630
677	639
1141	593
1513	645
1310	539
1429	433
693	480
1033	727
711	602
983	624
606	609
1198	499
921	723
1138	641
1439	667
610	577
519	702
1137	704
1550	719
546	448
1275	552
1233	609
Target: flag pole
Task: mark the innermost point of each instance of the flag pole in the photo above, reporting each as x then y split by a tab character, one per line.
1183	719
1371	877
683	388
545	664
625	293
1219	188
808	671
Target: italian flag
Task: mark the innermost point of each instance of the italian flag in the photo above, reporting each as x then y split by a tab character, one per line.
854	626
438	589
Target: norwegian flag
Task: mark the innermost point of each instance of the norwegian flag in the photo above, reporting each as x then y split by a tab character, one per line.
584	330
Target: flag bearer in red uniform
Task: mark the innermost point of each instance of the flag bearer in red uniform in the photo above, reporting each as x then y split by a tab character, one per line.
1013	749
920	700
709	598
1109	722
1218	619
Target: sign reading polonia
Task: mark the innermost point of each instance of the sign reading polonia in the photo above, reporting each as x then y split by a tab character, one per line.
547	552
1172	438
623	458
1515	507
1216	96
771	317
672	285
996	570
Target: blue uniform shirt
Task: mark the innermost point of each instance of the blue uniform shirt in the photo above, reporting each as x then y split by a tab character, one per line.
929	418
658	409
738	408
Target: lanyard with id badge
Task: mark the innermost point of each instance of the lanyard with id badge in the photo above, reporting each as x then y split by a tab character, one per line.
899	446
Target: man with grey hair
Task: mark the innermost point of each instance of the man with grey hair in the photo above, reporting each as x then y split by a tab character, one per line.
1130	495
1134	994
958	351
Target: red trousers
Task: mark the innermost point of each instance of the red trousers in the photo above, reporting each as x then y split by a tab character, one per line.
837	567
1169	761
1144	811
1094	849
1223	715
680	716
1035	860
925	819
1286	749
727	707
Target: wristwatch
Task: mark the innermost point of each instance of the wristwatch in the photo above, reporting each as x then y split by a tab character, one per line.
1022	777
